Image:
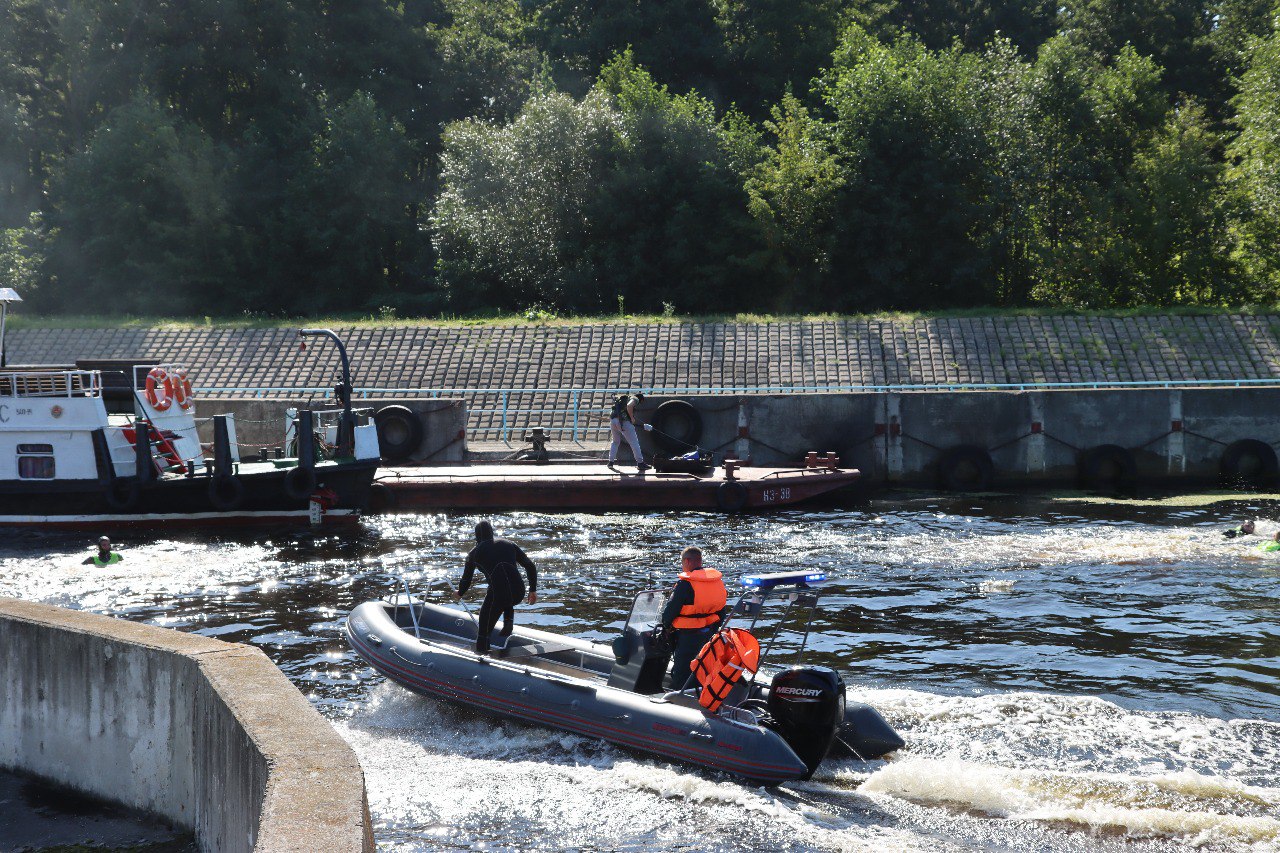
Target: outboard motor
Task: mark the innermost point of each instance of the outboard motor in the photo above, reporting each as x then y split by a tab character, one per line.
807	707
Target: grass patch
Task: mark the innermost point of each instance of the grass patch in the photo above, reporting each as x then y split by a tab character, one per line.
543	318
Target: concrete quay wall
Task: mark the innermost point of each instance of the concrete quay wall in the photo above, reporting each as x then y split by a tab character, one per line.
260	422
1029	437
206	734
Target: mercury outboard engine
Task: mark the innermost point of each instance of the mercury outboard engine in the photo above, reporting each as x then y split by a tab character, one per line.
807	707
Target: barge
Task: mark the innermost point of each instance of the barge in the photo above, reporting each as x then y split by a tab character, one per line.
596	486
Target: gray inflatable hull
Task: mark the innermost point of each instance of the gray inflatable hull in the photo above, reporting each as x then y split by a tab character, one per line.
560	681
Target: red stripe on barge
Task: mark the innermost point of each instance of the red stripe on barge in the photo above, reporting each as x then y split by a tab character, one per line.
567	486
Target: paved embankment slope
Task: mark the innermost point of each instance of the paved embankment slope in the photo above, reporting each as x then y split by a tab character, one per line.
614	355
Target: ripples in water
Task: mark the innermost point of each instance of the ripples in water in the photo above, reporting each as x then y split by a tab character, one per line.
1065	680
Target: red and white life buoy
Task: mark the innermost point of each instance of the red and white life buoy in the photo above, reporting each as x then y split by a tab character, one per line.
182	389
159	389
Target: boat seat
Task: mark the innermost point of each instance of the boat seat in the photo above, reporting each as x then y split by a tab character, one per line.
536	649
687	698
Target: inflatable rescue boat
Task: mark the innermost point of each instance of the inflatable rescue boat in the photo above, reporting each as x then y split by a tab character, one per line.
727	717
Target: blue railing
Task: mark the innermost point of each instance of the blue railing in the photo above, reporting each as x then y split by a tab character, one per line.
580	414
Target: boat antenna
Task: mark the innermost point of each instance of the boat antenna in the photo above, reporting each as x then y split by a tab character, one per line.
7	295
347	432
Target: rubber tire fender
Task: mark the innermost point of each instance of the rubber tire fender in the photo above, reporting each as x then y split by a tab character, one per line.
299	482
731	496
122	496
382	498
676	426
400	432
967	468
226	493
1238	452
1107	466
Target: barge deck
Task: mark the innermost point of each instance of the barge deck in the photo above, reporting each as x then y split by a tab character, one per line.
575	486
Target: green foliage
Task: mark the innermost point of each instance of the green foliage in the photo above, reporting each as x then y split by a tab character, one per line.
1174	33
909	123
489	65
20	259
678	38
771	45
1179	216
1254	174
973	23
19	189
140	215
291	156
793	196
630	193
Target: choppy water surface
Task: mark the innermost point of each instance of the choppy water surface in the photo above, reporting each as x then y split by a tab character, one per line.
1066	679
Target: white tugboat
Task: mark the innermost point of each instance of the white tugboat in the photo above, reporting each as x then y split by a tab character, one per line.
66	461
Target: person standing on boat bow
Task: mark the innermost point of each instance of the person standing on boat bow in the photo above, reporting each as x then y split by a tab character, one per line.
622	424
694	611
104	557
497	559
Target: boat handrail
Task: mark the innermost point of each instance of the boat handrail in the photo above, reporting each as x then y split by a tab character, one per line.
408	602
51	383
413	614
755	598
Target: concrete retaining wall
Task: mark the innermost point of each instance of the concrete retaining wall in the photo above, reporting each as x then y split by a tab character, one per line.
206	734
1033	437
260	422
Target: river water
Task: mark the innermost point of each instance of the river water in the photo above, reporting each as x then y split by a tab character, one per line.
1068	676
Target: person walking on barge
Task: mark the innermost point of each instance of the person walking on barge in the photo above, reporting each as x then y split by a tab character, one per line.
622	425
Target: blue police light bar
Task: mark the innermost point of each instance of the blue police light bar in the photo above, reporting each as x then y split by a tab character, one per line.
783	579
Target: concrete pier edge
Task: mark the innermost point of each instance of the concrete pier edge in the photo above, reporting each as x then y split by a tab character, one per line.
207	734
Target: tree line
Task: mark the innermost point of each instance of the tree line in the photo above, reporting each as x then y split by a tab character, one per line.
429	156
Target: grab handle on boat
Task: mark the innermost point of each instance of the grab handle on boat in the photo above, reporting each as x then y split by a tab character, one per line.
408	598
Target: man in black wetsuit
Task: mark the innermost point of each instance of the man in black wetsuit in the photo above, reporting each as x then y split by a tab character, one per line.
496	559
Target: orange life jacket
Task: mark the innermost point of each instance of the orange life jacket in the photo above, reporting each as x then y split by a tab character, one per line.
709	597
721	663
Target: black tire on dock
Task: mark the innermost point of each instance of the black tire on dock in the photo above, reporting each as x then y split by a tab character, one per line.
1107	466
731	496
226	493
1249	461
299	482
382	498
122	496
676	426
399	432
967	468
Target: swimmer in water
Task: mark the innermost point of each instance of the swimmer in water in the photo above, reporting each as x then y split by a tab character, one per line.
105	556
1245	529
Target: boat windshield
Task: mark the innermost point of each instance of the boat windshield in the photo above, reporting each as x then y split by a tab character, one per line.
646	610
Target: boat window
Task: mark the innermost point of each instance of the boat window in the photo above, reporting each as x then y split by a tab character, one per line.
35	462
646	611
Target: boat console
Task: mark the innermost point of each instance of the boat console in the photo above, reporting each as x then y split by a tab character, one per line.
641	659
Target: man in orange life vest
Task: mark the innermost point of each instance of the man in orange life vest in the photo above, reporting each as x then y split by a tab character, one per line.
694	612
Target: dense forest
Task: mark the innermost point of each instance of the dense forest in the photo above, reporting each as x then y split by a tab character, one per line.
667	156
